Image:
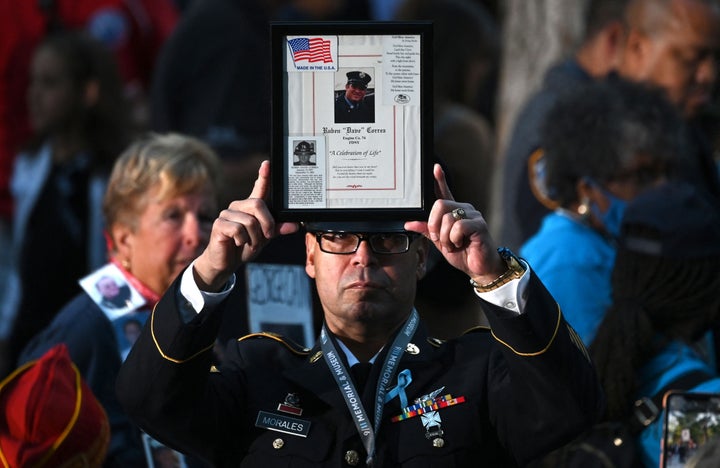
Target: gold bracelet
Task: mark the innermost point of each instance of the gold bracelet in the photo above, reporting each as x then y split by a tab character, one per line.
515	270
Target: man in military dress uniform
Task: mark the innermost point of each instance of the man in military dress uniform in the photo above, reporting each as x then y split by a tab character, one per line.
355	106
375	390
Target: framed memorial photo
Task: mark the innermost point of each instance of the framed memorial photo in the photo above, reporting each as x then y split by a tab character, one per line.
351	121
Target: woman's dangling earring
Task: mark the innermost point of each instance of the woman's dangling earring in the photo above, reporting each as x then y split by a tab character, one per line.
584	208
125	264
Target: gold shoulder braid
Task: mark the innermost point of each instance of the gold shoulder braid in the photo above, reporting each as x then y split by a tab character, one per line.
290	344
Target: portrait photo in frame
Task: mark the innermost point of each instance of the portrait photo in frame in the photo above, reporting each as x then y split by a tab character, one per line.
351	121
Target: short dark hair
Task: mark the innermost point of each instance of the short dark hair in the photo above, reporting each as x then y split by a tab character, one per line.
600	13
596	130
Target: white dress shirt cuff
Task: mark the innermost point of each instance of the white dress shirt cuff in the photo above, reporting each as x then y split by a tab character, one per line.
511	296
193	300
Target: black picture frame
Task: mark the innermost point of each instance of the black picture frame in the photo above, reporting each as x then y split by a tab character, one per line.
397	133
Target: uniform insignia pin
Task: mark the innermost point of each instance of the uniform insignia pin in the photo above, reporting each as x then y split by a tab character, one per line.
433	429
431	419
316	356
291	405
412	348
428	404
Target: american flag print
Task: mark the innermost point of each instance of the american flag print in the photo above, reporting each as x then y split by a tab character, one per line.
313	49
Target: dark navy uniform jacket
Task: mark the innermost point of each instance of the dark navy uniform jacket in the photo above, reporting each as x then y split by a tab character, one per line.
527	385
364	113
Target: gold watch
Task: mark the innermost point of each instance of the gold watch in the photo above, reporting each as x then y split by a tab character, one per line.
515	270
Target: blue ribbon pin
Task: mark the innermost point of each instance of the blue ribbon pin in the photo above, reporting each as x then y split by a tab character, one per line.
404	379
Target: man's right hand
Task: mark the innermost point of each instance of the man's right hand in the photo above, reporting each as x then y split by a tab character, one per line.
238	235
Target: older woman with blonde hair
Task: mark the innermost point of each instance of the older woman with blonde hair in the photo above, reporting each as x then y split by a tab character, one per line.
160	202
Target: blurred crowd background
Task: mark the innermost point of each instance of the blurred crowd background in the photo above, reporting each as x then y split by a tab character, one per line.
80	80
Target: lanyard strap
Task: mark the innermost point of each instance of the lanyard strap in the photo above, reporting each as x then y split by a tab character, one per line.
347	388
151	297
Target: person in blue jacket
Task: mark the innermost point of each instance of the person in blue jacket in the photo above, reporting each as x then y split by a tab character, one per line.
604	144
665	301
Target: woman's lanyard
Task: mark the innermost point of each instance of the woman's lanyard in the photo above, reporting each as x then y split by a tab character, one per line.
387	373
150	296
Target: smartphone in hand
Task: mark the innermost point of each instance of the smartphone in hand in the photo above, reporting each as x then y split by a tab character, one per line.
691	423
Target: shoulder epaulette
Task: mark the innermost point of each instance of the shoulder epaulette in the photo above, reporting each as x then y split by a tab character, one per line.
436	342
479	328
289	344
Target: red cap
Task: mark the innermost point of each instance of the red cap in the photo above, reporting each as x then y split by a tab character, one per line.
49	417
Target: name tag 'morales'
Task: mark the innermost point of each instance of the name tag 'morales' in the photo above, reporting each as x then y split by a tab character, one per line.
285	424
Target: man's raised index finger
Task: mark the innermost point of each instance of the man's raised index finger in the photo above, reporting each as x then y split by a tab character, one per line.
442	190
261	188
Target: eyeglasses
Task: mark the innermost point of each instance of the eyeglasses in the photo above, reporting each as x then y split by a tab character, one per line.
345	243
